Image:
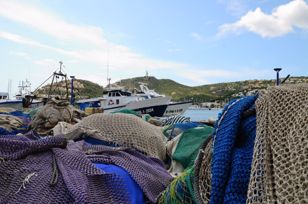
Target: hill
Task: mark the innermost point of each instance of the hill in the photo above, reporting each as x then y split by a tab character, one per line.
207	93
220	92
83	89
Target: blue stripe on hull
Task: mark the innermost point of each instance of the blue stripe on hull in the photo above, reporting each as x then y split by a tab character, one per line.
114	108
10	102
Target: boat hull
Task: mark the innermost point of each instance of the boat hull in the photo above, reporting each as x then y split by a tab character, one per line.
155	107
177	108
154	111
11	104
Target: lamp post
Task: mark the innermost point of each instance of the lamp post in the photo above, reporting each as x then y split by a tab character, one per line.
277	76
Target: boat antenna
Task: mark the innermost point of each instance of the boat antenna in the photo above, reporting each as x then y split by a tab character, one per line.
109	85
107	60
61	63
146	75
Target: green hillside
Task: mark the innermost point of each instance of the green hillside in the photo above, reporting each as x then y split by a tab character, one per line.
83	89
221	92
206	93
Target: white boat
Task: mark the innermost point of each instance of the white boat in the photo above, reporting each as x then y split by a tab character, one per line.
174	108
25	95
117	98
5	101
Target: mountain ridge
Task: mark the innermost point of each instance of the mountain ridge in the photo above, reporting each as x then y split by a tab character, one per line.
219	92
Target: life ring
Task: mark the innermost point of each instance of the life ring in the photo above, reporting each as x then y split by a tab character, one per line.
110	102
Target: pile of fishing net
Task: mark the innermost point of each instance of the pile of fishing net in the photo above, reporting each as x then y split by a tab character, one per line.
13	121
119	129
48	170
53	112
174	130
184	148
280	160
184	188
217	158
258	153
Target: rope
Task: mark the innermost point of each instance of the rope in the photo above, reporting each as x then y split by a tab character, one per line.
55	173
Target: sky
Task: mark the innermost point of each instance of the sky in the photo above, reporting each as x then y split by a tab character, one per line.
192	42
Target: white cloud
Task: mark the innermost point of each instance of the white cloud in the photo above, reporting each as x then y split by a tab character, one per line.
23	55
101	52
234	7
20	39
197	36
281	21
173	50
50	23
204	76
47	62
120	57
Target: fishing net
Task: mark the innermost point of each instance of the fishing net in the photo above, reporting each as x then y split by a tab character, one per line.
122	129
53	112
202	182
149	173
43	172
280	161
13	122
175	119
233	142
189	144
180	190
172	131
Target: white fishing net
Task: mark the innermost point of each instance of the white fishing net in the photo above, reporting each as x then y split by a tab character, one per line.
280	162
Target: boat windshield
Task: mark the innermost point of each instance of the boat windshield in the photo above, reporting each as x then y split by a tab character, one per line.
118	93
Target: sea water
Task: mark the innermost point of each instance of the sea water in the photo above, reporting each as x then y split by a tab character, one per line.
202	114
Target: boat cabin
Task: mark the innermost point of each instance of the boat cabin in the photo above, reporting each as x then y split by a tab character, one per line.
90	103
4	96
115	93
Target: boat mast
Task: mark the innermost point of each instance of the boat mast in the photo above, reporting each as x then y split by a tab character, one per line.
57	75
9	88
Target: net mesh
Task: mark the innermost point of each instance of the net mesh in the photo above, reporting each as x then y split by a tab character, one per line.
149	173
53	112
42	172
279	168
122	129
202	182
180	189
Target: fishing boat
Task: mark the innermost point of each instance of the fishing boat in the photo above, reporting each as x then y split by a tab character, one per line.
25	95
5	101
117	98
174	108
